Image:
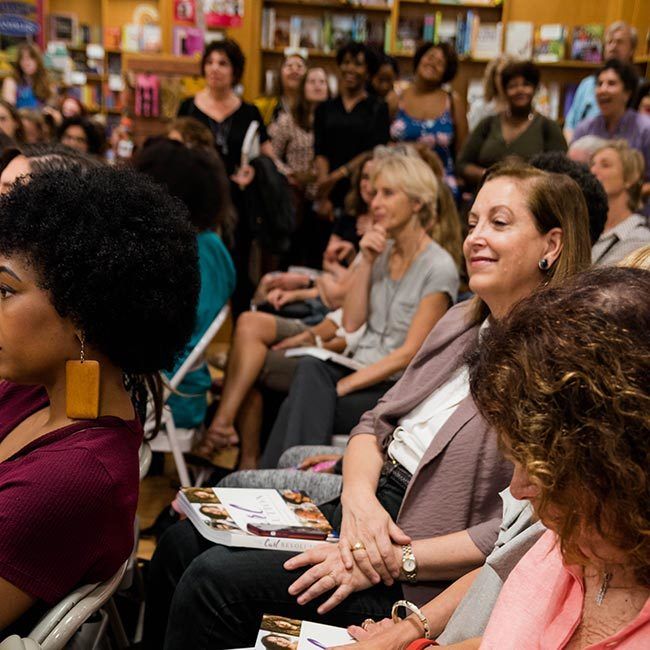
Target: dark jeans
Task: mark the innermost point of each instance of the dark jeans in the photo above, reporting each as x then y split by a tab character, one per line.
211	596
312	412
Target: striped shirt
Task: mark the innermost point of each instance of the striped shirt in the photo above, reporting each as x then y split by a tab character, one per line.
618	242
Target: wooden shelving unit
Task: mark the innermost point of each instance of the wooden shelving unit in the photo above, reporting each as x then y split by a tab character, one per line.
565	72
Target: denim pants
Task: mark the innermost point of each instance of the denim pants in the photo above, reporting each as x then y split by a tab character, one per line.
211	596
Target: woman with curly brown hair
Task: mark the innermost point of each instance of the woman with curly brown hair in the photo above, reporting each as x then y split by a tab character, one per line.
564	382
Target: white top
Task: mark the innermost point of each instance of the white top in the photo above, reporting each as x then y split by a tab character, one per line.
417	429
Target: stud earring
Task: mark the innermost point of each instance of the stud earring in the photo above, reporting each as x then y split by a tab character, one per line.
82	387
543	264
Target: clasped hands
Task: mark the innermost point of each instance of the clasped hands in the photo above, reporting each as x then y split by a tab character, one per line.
368	552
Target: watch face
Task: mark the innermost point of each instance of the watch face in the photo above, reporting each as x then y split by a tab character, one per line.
409	565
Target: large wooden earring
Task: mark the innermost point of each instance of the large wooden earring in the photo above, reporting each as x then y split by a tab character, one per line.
82	387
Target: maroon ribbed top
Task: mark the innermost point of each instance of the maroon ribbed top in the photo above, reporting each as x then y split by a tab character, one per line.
67	500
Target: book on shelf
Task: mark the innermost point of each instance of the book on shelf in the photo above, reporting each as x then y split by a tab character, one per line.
487	44
311	33
286	520
342	30
267	36
113	38
429	27
519	39
150	38
587	43
408	34
131	38
547	100
281	32
550	43
188	41
298	635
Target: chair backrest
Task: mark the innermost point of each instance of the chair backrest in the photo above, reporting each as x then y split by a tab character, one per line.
61	623
199	349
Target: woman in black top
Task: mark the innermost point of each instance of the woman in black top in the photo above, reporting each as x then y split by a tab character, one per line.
228	117
347	126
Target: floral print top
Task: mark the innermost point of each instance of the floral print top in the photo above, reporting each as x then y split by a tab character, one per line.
437	134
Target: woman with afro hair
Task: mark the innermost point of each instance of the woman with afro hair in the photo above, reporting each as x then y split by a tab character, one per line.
99	266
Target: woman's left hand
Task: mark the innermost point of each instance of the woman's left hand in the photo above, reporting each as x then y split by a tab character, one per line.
327	573
382	635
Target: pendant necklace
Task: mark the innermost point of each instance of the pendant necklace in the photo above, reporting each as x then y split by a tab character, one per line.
604	586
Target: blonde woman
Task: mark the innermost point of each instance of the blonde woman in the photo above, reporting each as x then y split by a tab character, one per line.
620	169
403	284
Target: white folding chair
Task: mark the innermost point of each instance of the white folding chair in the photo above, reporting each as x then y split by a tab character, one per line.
170	437
62	622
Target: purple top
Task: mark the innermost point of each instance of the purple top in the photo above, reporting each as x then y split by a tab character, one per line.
67	499
633	127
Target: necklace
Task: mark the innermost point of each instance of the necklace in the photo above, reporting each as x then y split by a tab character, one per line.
529	117
604	586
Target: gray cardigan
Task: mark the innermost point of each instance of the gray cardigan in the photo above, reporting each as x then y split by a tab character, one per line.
457	483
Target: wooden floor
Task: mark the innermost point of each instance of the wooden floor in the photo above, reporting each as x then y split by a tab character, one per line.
156	492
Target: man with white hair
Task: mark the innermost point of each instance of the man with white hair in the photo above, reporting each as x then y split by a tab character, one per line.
620	43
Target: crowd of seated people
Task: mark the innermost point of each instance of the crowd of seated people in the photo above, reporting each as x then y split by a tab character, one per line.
483	298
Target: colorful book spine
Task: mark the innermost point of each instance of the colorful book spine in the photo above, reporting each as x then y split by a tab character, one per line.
428	27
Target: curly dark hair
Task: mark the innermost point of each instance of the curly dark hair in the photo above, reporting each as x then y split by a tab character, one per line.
626	73
558	162
451	59
354	48
94	133
564	380
232	52
526	69
117	256
51	157
195	176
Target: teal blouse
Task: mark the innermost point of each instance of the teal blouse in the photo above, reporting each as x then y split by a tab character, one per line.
217	284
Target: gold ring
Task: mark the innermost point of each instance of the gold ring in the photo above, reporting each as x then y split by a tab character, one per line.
359	546
367	622
332	575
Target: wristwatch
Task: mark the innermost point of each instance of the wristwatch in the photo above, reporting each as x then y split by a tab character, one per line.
409	563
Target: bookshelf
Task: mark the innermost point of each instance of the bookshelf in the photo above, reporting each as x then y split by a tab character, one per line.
404	28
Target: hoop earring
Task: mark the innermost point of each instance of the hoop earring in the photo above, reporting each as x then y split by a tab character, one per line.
543	264
82	387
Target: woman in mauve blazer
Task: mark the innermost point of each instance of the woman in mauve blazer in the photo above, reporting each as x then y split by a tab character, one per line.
402	533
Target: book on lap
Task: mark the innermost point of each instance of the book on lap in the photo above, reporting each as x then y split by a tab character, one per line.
224	515
301	635
325	355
